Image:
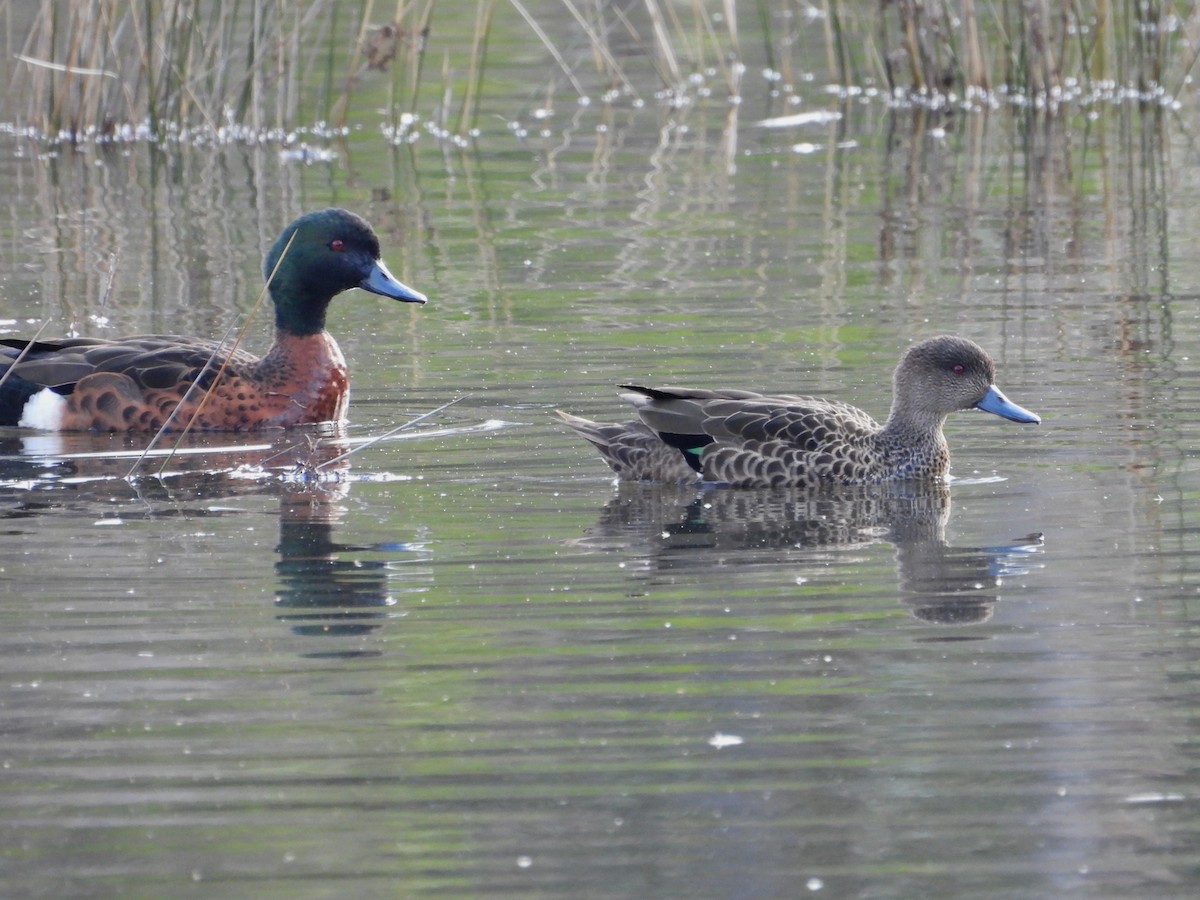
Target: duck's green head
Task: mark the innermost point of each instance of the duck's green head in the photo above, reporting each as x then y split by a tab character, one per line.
317	257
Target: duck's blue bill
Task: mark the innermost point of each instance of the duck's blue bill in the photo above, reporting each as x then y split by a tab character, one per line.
996	403
380	281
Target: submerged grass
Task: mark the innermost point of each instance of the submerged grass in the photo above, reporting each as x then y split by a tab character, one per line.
253	68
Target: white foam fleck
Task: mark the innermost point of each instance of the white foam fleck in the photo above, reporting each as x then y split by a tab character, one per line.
720	741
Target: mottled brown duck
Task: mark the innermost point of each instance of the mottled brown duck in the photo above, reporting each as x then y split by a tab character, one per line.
757	440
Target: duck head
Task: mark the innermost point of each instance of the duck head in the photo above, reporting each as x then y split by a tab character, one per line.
318	256
944	374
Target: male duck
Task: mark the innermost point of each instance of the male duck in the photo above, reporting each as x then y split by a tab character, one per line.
133	384
752	440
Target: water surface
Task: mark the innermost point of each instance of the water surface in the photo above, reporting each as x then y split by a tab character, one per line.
462	663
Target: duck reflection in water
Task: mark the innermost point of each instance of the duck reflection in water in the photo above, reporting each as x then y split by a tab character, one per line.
325	587
938	583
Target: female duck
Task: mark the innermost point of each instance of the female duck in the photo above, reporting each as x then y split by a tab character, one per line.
134	384
751	440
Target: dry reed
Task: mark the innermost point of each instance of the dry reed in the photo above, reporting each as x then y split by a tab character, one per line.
246	69
1022	52
159	69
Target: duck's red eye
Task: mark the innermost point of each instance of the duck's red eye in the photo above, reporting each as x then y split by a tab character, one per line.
958	368
337	244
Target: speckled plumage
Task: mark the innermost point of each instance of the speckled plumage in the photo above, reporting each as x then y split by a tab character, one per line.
754	440
134	383
633	450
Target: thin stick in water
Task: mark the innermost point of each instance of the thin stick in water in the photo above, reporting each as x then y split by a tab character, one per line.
396	430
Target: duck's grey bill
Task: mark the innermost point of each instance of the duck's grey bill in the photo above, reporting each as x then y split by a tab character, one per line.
381	281
996	403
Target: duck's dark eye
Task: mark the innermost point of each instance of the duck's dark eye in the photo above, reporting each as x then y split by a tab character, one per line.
337	244
958	368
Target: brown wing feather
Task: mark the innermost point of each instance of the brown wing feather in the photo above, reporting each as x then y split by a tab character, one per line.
801	421
153	361
766	440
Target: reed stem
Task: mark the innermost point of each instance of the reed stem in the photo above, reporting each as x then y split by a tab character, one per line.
166	67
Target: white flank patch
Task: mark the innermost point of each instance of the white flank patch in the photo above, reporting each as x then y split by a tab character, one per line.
44	410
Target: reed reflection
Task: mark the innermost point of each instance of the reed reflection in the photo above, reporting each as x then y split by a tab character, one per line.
938	583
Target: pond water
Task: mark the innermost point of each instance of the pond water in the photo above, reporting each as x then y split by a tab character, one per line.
461	662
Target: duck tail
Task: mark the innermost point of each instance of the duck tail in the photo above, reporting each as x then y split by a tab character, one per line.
632	450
